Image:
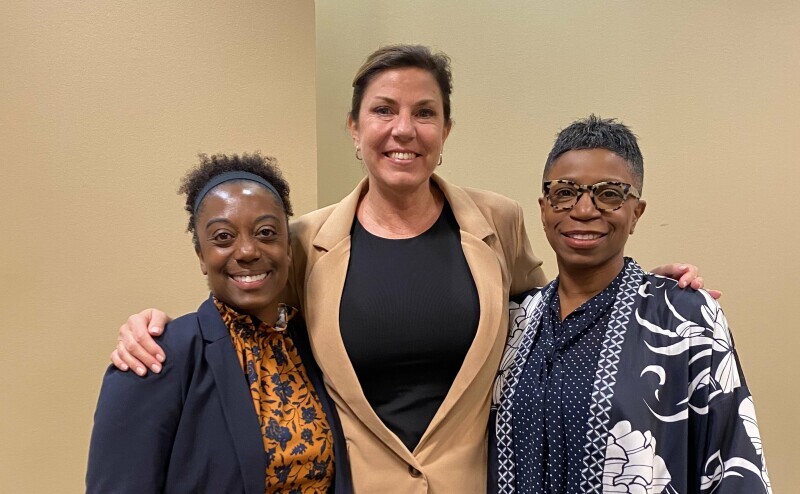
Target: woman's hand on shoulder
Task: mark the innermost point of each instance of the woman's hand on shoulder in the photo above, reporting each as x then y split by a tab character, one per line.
686	275
136	348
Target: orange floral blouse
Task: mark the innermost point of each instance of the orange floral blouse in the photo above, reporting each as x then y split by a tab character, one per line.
297	437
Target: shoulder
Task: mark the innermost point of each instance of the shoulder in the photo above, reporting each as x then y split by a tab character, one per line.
310	223
658	290
502	214
316	217
685	315
490	201
182	336
525	299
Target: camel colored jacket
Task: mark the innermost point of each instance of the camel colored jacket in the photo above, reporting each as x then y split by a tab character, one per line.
452	453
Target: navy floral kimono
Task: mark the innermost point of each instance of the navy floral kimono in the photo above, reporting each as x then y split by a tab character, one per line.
668	412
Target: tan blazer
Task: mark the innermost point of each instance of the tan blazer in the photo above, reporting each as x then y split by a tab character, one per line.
451	456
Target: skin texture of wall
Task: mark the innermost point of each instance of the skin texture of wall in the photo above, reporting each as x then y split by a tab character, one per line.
711	88
105	105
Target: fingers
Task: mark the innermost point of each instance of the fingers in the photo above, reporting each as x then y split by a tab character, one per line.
689	275
715	294
118	362
157	322
136	346
124	361
697	283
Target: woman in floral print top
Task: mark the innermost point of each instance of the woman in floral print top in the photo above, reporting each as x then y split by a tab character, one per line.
614	380
243	407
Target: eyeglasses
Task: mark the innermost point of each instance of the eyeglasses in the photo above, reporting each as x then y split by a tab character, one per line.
606	196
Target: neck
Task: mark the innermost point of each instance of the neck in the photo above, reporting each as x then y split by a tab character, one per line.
577	284
400	214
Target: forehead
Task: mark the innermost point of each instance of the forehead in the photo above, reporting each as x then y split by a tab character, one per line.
240	198
406	82
589	166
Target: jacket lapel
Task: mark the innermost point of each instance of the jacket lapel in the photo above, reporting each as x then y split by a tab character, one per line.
325	284
324	287
235	398
485	267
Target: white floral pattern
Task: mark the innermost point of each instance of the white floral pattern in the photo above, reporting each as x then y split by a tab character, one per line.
632	465
678	389
519	317
747	412
703	340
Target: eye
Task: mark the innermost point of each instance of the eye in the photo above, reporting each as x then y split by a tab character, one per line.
266	232
563	192
222	237
426	113
382	110
610	193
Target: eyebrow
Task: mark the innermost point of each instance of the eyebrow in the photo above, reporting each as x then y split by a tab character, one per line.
261	218
428	101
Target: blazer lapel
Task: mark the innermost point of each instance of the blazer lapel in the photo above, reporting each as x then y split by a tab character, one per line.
235	398
485	266
324	287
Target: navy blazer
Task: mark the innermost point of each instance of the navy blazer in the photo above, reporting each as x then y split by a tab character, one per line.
192	428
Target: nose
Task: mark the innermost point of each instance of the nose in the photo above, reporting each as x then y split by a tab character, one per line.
584	209
403	126
246	249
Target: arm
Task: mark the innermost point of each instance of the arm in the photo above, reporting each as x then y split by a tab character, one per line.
526	272
731	458
136	348
134	431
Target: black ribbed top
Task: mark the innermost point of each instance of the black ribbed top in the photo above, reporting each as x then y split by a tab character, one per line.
408	315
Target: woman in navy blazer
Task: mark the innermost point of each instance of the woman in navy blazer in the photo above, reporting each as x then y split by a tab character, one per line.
193	427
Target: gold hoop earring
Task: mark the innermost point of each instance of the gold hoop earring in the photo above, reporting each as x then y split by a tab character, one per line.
358	153
439	163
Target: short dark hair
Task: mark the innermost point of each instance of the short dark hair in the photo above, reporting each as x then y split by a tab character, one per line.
209	167
399	57
604	133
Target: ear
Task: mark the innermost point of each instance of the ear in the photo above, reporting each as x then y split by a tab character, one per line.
352	126
202	261
448	126
638	211
542	205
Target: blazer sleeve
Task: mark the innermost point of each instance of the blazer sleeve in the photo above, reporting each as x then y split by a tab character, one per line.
526	270
135	425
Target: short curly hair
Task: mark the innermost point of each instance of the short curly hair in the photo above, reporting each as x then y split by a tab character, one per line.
594	132
217	164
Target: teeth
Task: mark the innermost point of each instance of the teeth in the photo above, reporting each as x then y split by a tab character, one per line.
250	279
402	156
584	236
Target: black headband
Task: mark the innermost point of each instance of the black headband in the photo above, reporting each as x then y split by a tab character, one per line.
229	176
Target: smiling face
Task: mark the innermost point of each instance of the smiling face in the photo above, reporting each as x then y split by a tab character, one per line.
244	247
400	129
585	238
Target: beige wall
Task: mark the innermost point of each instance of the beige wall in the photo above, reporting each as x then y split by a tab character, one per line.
711	88
104	105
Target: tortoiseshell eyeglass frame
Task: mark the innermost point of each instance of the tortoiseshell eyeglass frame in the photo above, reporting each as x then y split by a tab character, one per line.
627	190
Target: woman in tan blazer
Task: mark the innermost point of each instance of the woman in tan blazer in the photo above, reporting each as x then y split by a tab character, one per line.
451	455
404	285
